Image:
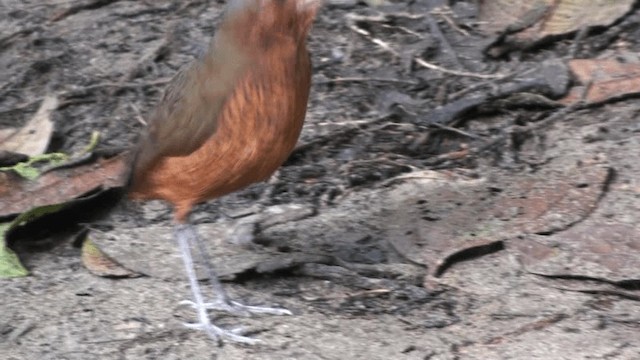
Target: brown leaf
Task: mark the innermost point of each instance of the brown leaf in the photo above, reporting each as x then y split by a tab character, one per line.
603	247
33	138
58	186
571	15
98	263
552	201
605	78
496	15
529	22
450	218
594	249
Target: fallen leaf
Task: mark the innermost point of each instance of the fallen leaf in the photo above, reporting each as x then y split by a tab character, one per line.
497	16
572	15
460	218
98	263
27	170
603	247
605	78
36	215
48	194
594	249
33	138
10	265
524	24
60	185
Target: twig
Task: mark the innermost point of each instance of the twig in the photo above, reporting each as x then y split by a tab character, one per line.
138	114
446	46
350	126
382	17
491	82
428	65
376	161
455	130
444	13
363	79
74	9
406	30
558	114
386	47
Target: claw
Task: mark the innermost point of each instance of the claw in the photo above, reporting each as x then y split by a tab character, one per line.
237	308
260	309
188	303
217	333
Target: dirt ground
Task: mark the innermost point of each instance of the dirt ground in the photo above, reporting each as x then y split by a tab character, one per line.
400	228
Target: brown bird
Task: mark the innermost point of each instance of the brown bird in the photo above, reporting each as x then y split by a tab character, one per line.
228	120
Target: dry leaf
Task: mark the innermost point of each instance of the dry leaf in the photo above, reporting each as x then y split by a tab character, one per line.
606	79
98	263
528	22
595	249
33	138
572	15
497	15
459	218
59	186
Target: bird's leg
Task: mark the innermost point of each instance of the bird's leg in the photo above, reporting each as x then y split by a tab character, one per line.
222	301
184	234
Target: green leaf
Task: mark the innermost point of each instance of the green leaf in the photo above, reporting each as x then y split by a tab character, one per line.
10	265
26	171
29	172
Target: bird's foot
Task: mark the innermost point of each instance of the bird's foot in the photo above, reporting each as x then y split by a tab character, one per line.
238	309
217	333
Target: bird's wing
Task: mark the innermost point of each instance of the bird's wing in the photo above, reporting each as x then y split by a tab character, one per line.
188	113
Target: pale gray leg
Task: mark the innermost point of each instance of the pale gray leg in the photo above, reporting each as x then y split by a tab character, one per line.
188	239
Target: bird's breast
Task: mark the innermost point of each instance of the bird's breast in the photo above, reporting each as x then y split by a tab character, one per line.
257	129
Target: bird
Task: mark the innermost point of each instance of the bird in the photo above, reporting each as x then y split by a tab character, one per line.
227	120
